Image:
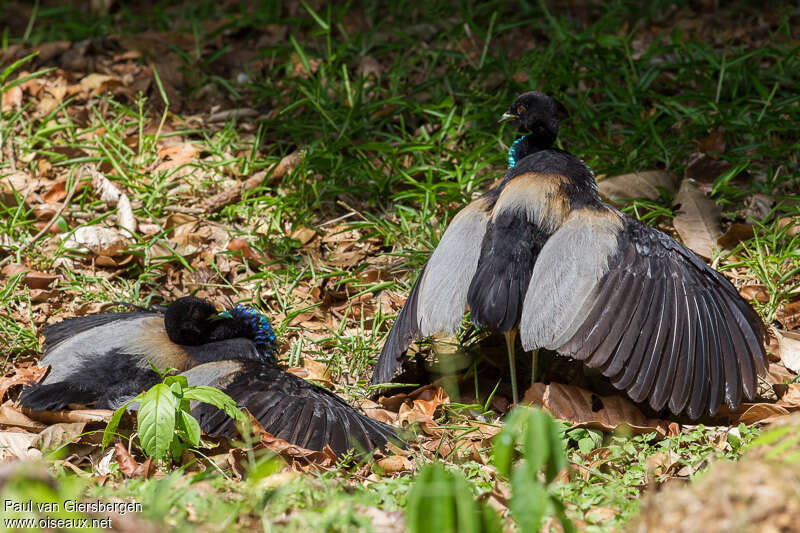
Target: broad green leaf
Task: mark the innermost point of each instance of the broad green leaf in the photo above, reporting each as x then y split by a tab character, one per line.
529	499
217	398
468	519
111	427
191	427
490	520
537	441
558	508
431	506
157	420
176	389
178	380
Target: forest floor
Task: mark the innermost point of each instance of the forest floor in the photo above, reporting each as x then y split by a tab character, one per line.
306	159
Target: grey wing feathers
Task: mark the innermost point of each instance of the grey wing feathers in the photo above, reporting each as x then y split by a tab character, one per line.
403	332
568	268
445	282
60	331
70	343
438	300
659	323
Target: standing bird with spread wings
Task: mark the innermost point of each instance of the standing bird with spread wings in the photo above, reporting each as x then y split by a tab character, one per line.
541	256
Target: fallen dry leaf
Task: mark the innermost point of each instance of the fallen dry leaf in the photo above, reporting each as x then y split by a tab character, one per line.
789	315
705	169
789	395
240	245
304	235
299	69
97	83
369	66
176	155
16	186
698	222
638	184
313	370
374	410
32	278
11	416
292	453
586	409
735	234
114	197
146	469
777	374
23	375
760	412
18	445
85	416
12	99
789	349
713	144
127	464
57	435
792	225
418	406
755	292
394	464
98	240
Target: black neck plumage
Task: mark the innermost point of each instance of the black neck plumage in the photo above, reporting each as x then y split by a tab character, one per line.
529	144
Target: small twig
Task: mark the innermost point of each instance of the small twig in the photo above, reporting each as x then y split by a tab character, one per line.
353	209
591	470
184	210
11	155
337	219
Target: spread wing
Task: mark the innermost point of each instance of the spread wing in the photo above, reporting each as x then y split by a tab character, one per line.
288	407
438	299
652	316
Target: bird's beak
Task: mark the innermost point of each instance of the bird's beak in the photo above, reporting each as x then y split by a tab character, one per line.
506	117
220	315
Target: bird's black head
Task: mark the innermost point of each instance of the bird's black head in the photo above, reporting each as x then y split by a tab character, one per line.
189	320
537	115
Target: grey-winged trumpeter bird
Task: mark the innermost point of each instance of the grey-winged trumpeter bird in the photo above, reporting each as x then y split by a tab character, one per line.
542	256
104	360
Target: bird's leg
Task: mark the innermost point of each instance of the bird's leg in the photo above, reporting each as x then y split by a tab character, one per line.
534	361
511	337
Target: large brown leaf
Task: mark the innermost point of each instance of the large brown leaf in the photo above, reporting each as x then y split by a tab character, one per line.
644	184
789	349
698	222
586	409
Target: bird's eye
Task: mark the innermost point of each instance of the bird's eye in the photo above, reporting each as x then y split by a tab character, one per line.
520	110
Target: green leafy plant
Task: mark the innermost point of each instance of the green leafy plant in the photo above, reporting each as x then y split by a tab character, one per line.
165	423
442	501
542	449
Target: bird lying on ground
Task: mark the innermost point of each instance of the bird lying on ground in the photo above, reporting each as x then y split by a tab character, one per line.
104	359
541	254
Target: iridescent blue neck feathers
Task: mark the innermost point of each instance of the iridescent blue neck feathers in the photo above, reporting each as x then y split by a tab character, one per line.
261	331
512	152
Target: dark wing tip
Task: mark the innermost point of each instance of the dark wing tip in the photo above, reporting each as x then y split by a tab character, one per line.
713	353
297	411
